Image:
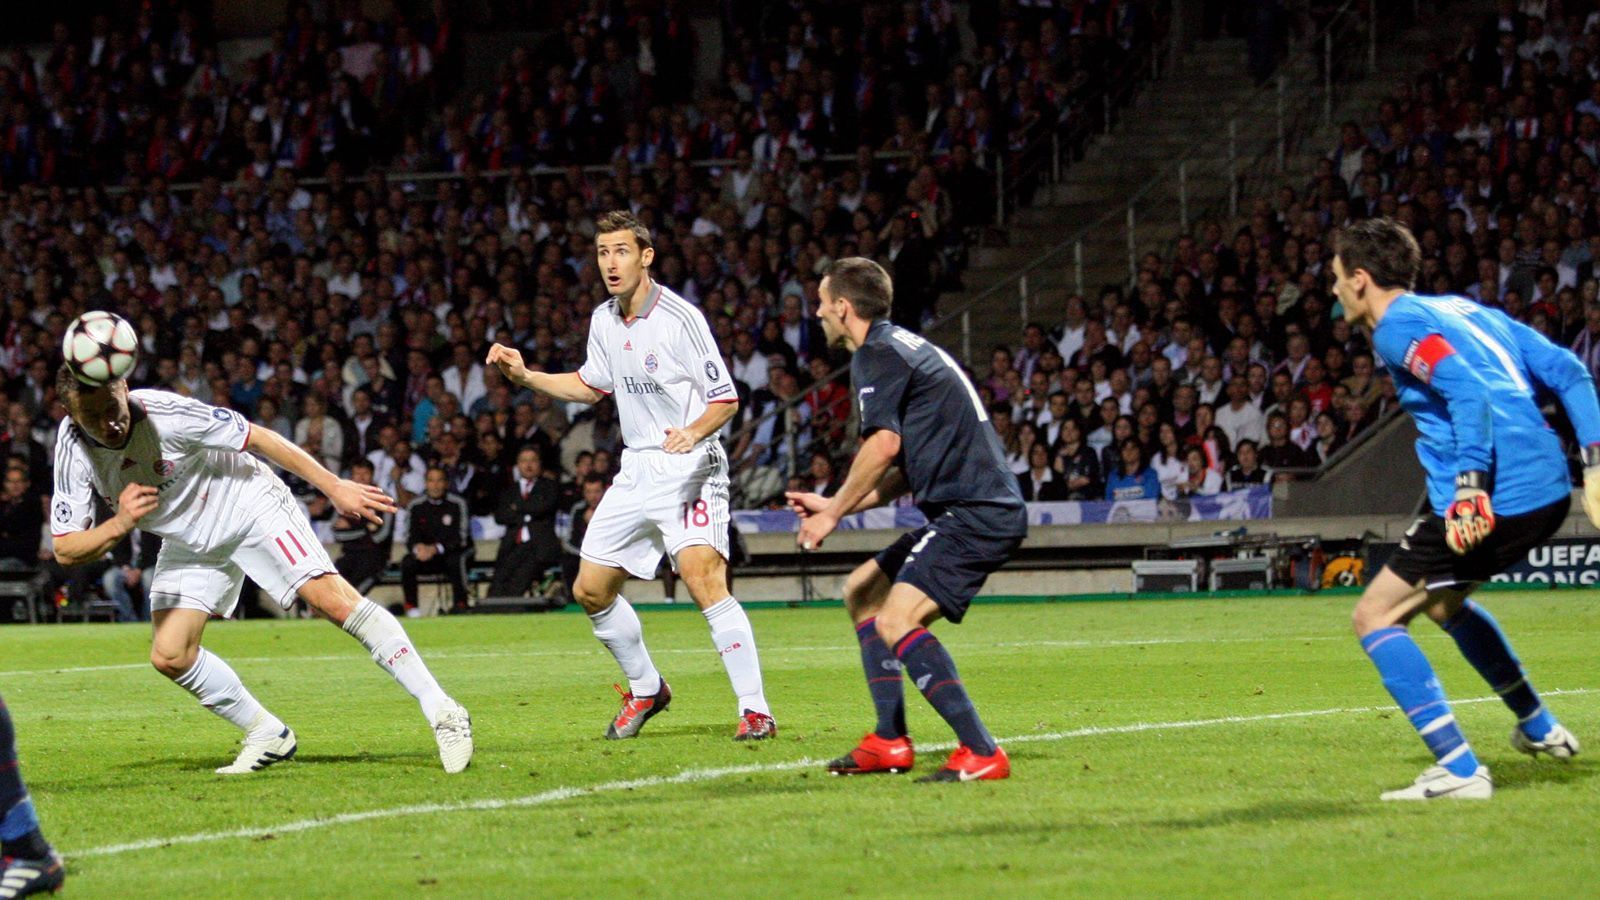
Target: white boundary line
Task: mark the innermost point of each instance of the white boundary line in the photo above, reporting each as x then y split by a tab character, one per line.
689	776
979	647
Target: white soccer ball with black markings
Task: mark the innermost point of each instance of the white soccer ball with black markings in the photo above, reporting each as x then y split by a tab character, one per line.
100	347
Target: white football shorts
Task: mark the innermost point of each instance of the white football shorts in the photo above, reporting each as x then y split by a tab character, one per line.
275	547
660	503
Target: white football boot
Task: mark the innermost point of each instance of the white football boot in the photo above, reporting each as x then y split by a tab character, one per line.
258	755
453	731
1437	783
1558	744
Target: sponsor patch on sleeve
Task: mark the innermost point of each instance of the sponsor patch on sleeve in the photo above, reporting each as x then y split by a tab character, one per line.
1423	356
719	391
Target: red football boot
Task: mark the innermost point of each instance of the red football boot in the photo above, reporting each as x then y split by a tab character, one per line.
754	726
636	711
964	765
875	754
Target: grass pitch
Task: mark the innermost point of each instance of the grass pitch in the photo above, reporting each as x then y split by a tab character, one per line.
1193	747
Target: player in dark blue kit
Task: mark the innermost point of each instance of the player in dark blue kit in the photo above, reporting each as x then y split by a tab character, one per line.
29	866
923	429
1497	485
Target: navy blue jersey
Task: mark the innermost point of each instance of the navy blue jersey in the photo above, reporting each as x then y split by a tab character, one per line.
949	452
1467	374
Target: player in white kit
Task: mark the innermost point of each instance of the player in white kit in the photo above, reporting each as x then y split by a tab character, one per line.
652	352
180	468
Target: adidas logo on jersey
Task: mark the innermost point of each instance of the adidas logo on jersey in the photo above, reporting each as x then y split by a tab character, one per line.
627	345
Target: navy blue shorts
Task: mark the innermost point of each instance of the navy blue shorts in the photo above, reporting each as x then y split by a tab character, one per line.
950	557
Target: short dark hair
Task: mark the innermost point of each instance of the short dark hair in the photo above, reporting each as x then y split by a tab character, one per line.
67	384
1384	248
363	463
864	283
623	220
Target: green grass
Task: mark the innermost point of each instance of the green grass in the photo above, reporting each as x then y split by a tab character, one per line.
1285	805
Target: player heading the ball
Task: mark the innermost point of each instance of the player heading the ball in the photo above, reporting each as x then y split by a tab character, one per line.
181	469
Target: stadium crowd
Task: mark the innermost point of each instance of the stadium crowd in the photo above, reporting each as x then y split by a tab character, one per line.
278	259
1227	362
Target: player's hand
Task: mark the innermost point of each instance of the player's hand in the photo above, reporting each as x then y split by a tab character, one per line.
679	440
1470	518
136	502
510	362
130	576
367	501
805	503
814	529
1591	483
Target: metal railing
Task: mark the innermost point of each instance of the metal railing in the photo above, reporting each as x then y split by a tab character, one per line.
1324	65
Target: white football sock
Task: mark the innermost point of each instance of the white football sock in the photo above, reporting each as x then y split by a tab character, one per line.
736	642
380	632
617	626
218	688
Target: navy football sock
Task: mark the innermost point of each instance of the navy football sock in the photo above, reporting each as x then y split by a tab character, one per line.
19	826
883	681
1485	646
934	673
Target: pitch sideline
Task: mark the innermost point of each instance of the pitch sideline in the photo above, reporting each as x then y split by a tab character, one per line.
689	776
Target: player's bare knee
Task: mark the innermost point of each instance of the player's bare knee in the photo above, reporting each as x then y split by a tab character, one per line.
173	662
593	599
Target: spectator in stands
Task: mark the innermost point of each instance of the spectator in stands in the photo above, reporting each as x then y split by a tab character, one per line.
1167	461
1132	479
578	516
1041	482
1280	452
1199	480
1077	465
319	434
436	531
1246	470
124	582
1328	440
21	520
364	546
1240	419
527	510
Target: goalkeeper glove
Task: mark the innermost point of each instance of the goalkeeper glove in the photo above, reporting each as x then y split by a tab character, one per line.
1591	482
1470	518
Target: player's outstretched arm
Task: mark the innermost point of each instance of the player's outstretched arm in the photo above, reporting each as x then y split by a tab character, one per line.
872	463
348	497
78	547
566	386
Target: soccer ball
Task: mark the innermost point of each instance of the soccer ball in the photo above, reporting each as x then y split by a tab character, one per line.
100	347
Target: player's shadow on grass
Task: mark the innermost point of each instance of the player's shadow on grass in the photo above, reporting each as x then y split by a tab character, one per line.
1523	774
1259	813
711	729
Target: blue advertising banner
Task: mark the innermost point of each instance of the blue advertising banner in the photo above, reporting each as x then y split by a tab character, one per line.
1254	503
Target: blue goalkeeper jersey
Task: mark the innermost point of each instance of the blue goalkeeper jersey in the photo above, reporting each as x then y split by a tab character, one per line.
1468	374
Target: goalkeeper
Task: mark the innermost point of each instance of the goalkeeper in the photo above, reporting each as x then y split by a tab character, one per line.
1498	486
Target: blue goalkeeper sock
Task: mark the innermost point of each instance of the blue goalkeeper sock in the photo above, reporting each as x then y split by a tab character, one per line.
884	681
1485	646
932	670
1412	684
19	824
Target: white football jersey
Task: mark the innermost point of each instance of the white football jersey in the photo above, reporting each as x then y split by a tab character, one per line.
662	366
188	450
